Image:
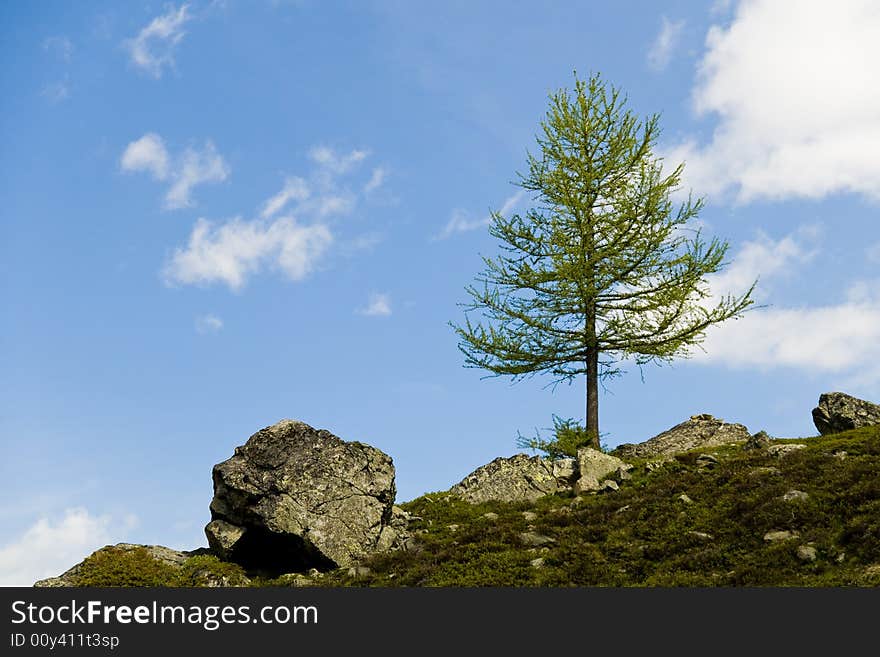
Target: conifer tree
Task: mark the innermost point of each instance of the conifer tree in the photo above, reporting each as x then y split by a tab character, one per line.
603	267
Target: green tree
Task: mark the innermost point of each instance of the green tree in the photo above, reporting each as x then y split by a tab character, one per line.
603	267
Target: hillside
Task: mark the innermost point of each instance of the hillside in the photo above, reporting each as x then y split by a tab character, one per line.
805	516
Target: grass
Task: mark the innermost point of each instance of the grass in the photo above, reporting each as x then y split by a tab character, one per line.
643	535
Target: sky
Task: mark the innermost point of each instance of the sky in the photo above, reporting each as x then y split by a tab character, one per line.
216	215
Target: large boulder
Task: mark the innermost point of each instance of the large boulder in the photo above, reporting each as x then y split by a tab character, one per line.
838	412
518	478
594	467
699	431
294	498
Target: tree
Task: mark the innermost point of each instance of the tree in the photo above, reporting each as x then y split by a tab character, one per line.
603	268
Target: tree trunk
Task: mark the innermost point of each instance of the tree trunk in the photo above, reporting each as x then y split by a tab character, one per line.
591	420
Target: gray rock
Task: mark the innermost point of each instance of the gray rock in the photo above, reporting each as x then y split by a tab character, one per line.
785	449
303	498
530	516
533	539
565	469
702	536
780	535
159	552
838	412
609	486
623	472
222	537
706	461
593	467
518	478
699	431
537	563
684	498
760	440
795	496
806	553
490	516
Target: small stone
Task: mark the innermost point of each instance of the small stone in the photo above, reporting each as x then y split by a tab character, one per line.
706	461
840	454
758	440
702	535
795	496
358	571
452	528
622	509
784	450
806	553
609	485
779	535
684	498
533	539
529	516
537	563
490	516
623	473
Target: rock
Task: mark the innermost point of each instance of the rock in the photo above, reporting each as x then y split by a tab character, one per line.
706	461
490	516
537	563
594	466
623	472
452	528
764	470
655	464
806	553
298	498
533	539
530	516
565	469
159	552
784	449
840	455
359	571
699	431
760	440
623	509
608	486
838	412
684	498
518	478
795	496
702	536
779	535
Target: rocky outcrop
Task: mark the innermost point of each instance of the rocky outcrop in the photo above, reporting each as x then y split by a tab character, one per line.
699	431
518	478
593	468
839	412
294	498
158	552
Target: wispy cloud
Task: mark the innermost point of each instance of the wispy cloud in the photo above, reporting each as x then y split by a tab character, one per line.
660	52
461	221
208	324
292	234
231	252
153	48
375	181
835	338
60	45
49	547
55	92
378	305
765	146
191	168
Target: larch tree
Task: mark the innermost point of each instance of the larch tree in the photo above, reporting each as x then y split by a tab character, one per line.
603	268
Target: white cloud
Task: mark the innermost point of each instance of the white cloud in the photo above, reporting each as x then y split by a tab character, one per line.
191	168
60	45
231	252
797	105
48	547
841	338
461	221
378	305
665	43
334	162
295	189
375	181
147	154
195	168
208	324
153	48
765	259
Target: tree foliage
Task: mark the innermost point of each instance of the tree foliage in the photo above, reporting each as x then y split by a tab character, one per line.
603	267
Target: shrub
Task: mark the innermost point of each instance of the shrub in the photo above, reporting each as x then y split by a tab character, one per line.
568	437
113	566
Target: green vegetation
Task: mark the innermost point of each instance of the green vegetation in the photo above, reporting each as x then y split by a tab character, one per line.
568	437
646	534
602	268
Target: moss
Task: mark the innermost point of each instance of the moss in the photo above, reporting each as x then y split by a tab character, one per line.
112	566
208	570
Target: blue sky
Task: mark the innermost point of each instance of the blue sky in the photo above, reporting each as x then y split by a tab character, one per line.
220	214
